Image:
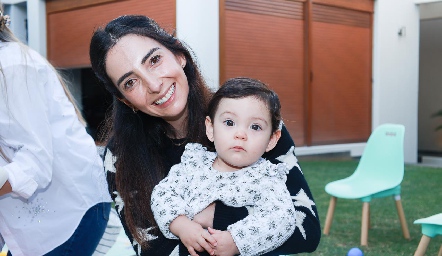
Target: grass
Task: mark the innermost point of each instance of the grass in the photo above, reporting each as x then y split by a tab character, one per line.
421	197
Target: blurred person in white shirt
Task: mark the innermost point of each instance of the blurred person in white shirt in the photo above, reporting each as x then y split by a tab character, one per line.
53	191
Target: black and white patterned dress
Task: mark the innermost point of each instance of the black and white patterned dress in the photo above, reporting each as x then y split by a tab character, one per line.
193	184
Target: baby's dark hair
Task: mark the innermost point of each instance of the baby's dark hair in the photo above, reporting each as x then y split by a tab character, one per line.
241	87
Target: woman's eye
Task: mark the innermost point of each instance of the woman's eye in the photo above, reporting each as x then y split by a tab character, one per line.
229	123
129	84
256	127
154	60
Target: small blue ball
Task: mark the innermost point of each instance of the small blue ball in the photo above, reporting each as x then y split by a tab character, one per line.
355	252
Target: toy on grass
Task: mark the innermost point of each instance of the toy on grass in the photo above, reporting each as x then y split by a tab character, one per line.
355	252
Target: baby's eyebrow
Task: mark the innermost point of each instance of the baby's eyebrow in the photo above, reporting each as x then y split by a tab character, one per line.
222	114
260	119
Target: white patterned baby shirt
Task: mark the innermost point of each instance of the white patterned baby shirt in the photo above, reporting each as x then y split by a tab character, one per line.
193	184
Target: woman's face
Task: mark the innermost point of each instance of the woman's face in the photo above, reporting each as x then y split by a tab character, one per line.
150	77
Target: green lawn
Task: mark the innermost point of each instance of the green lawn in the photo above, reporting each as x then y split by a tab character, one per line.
421	197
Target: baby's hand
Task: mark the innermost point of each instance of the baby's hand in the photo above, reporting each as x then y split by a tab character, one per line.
193	236
225	244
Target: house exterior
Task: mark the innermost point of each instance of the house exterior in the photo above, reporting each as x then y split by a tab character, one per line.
340	67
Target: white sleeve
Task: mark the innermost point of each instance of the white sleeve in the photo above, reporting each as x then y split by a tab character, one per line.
167	201
25	126
271	222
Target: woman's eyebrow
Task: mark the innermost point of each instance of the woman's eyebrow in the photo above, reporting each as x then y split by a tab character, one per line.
123	77
142	62
148	54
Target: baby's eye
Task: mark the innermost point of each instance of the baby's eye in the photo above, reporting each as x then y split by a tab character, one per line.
256	127
229	122
129	84
154	60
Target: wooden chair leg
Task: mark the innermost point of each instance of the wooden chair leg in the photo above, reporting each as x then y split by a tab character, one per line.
369	219
400	212
422	247
365	223
329	217
440	251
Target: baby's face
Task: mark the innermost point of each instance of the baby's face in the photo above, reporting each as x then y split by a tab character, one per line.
241	131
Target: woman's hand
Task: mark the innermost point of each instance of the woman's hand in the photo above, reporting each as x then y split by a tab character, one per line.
193	236
205	217
225	244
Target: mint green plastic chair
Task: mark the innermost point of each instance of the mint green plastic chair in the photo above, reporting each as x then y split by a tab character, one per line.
431	227
379	174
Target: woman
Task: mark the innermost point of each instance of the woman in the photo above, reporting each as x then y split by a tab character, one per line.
160	100
54	199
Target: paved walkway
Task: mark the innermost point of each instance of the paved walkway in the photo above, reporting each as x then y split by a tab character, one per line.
121	247
114	241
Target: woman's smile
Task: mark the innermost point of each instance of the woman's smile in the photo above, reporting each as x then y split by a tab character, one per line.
168	95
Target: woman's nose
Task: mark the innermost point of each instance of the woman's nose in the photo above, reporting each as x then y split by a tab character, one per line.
153	82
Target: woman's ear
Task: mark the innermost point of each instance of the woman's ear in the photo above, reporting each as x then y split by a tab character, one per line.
209	128
273	140
182	60
125	101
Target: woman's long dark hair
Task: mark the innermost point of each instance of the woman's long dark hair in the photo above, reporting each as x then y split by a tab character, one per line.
136	139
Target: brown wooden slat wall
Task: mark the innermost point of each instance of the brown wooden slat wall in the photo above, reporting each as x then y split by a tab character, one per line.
66	5
277	42
359	5
69	32
330	14
341	66
281	8
264	42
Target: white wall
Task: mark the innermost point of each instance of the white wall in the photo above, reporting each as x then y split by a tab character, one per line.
35	12
198	26
395	68
18	15
37	26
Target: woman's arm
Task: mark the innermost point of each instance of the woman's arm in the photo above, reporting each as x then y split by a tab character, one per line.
308	231
159	245
109	167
